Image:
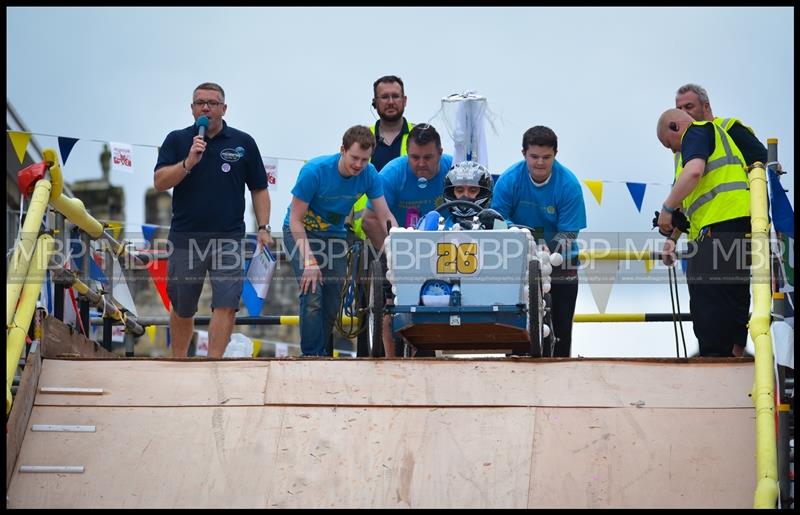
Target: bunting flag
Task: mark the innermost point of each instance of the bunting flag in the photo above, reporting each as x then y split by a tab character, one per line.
596	187
151	333
637	193
783	343
684	265
158	272
70	308
601	276
46	295
94	270
780	207
271	166
256	347
648	265
20	142
148	231
65	145
250	298
120	290
115	228
121	157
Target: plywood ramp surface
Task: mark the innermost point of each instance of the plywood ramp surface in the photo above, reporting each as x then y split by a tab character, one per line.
402	383
492	446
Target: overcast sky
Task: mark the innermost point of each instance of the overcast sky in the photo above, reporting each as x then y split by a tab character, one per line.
296	78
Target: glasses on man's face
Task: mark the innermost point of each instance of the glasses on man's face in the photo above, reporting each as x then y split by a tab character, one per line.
387	97
209	103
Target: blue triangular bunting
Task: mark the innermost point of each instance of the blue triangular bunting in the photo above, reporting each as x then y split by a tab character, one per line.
148	231
637	193
65	145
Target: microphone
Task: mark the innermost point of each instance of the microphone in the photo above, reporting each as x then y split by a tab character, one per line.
202	125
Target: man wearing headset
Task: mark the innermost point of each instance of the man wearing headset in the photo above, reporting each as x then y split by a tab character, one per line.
711	189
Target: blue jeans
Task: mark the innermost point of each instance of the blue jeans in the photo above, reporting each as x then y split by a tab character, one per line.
318	311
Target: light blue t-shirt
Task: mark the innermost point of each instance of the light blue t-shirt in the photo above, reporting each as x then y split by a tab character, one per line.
330	196
555	207
401	189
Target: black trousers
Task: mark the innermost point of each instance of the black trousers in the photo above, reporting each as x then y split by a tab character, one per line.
564	294
718	277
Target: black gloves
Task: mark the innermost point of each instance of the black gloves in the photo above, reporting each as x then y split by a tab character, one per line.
679	221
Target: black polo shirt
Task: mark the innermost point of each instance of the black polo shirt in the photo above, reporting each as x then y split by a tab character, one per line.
384	153
210	200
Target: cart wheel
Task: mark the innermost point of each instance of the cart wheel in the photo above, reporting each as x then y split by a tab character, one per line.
375	313
535	308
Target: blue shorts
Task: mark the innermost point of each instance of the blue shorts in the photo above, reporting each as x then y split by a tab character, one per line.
222	259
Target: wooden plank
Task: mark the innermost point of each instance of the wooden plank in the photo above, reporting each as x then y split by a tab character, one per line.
645	458
265	457
591	383
61	340
17	422
145	382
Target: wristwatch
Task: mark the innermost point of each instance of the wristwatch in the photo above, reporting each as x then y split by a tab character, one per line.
265	227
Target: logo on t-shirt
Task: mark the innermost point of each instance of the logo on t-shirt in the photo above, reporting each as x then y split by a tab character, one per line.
232	154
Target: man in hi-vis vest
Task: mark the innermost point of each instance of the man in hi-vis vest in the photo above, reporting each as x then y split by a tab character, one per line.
391	134
711	189
693	100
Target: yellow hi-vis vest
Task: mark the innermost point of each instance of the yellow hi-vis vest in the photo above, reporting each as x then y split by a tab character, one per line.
727	123
722	193
361	203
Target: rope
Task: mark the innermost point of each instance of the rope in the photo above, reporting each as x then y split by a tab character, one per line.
77	311
351	299
678	304
674	315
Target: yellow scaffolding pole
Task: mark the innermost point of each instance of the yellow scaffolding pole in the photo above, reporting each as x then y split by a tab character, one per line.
18	329
766	493
23	250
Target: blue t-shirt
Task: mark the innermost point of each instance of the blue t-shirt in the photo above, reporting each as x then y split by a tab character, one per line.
330	196
407	201
555	207
210	200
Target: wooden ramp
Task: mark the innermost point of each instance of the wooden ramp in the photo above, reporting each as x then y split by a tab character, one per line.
392	433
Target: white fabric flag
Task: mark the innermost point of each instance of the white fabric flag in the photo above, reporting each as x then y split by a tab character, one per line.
467	126
271	165
602	275
260	272
120	290
121	157
783	343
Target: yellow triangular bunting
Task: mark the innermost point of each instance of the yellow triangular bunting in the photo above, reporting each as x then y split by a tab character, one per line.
116	229
596	187
20	141
648	265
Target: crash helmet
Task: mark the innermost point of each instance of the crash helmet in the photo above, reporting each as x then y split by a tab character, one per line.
468	173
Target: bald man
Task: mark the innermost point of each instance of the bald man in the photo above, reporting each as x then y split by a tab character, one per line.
711	189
